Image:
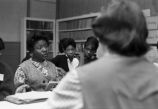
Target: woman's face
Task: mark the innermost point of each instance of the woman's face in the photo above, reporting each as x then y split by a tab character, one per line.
70	51
89	50
40	50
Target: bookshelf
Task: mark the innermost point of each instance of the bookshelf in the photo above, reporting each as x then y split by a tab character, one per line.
152	40
78	28
31	26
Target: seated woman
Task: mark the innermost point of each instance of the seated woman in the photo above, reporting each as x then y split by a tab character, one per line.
89	52
35	73
67	60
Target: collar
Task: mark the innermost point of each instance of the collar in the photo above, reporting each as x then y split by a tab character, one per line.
44	63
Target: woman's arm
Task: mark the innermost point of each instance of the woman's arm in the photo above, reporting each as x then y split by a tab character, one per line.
67	95
20	81
6	85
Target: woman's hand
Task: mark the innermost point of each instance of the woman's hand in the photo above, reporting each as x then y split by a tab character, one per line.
60	73
51	85
23	88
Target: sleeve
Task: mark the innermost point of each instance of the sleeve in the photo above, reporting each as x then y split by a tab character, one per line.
55	60
67	95
6	86
19	80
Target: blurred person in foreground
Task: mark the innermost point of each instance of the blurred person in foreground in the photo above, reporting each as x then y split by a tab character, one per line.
6	77
122	78
36	73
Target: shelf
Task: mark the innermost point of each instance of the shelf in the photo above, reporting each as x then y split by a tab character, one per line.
39	29
90	15
78	28
80	41
72	30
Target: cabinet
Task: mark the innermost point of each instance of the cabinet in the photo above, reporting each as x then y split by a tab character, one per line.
31	26
78	28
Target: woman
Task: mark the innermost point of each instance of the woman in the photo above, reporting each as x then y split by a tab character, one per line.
90	48
68	60
35	73
122	78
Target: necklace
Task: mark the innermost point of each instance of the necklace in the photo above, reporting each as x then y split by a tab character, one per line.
41	67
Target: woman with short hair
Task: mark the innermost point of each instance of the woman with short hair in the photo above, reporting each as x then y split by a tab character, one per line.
122	78
35	73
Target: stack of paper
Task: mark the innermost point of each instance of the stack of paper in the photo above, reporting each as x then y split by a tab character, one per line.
28	97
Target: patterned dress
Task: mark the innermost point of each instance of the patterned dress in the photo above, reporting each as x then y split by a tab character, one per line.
31	75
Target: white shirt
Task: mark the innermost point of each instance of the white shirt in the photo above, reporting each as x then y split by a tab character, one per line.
67	95
72	65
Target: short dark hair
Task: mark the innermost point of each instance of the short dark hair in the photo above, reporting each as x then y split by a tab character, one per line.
93	41
122	28
61	48
67	42
32	41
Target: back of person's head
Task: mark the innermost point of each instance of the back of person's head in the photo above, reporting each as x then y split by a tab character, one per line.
92	41
122	28
34	39
67	42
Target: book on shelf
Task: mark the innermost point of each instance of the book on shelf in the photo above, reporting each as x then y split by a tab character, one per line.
39	25
153	36
76	24
76	35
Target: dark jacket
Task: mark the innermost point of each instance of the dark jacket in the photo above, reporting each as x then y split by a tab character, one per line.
7	85
61	61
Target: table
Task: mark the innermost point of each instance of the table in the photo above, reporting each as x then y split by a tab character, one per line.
8	105
33	95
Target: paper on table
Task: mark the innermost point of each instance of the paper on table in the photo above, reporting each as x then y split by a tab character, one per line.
1	77
28	97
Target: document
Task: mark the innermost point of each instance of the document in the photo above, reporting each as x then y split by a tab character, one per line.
28	97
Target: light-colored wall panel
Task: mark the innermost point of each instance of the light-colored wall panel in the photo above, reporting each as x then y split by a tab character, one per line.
11	13
42	9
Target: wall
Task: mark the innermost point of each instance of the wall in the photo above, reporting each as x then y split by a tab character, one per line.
43	9
69	8
12	13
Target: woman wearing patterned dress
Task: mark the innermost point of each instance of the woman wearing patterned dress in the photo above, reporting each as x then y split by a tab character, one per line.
35	73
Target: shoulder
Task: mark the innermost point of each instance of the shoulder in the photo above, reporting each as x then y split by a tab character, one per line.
5	68
70	81
89	66
50	64
59	57
25	66
25	63
93	68
156	64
